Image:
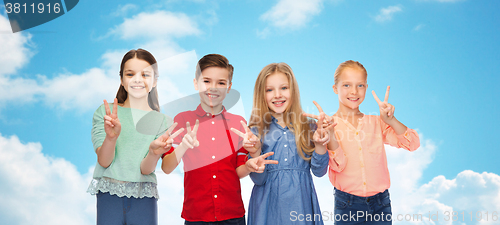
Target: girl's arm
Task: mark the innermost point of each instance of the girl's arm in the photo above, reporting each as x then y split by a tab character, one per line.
112	127
405	138
157	148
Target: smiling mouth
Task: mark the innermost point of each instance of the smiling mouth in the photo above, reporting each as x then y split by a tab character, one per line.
137	87
353	99
279	103
212	96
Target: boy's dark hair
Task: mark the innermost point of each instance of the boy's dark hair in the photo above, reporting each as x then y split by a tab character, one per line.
214	60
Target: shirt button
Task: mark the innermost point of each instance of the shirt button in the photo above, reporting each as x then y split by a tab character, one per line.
213	157
285	146
215	176
356	133
215	196
208	114
213	139
284	132
364	183
213	122
286	159
360	148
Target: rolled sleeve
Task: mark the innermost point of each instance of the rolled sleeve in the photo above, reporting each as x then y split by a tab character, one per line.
338	160
409	140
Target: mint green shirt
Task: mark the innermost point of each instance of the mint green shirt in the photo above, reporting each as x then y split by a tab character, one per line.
139	129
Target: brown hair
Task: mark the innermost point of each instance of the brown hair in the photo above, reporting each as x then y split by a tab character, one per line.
214	60
142	54
348	64
292	116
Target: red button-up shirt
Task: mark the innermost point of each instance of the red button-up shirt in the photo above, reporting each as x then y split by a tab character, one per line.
212	190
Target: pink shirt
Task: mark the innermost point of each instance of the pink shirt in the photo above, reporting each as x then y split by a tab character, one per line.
359	165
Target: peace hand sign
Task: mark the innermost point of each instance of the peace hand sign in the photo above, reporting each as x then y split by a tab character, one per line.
163	143
259	164
112	125
189	138
386	109
321	135
327	122
251	143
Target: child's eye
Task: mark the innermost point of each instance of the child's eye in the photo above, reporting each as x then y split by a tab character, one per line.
222	83
284	88
146	75
346	85
269	90
361	85
206	81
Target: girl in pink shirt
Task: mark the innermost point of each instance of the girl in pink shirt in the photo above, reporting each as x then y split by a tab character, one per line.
358	164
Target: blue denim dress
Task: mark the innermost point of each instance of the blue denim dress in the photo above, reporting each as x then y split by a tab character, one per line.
284	193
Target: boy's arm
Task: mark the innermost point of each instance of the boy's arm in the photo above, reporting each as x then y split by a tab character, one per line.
242	171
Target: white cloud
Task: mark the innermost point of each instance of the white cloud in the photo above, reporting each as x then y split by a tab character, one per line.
386	14
123	10
15	48
157	25
37	189
292	14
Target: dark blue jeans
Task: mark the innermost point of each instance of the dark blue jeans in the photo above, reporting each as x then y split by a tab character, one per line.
352	209
114	210
235	221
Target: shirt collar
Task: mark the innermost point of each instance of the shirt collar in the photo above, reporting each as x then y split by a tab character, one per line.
201	112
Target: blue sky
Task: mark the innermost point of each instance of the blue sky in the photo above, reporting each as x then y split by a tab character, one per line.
440	58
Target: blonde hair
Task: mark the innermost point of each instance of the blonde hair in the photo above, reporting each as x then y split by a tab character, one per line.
293	118
348	64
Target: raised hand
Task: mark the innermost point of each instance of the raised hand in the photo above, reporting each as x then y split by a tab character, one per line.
163	143
386	109
258	164
112	125
189	138
251	143
328	122
321	135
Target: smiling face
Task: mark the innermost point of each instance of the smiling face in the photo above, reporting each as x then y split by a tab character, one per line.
213	85
138	78
278	96
351	88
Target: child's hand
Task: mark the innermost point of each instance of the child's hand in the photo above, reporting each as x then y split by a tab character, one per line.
189	138
258	165
112	125
251	143
163	143
386	109
328	122
321	136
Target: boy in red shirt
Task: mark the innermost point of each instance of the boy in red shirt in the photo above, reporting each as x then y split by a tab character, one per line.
212	169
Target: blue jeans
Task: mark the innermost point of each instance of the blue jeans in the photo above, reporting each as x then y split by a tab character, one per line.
114	210
352	209
235	221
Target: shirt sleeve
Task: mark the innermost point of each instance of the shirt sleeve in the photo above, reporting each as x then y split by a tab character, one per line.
319	164
409	140
97	133
258	178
